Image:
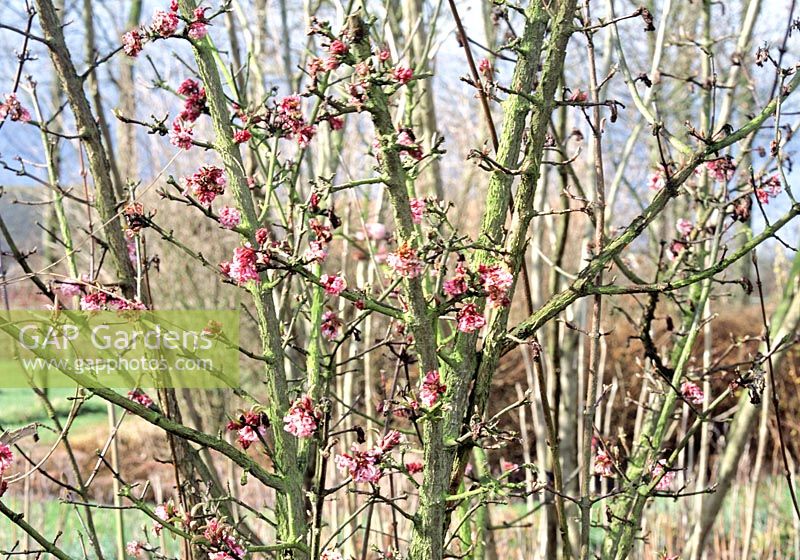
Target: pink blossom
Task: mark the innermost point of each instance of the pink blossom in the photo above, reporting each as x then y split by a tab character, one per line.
229	218
242	136
289	117
134	548
375	231
6	458
411	148
338	47
508	466
140	397
69	289
402	75
302	418
197	30
195	103
362	466
388	442
496	281
208	183
604	464
181	135
469	320
721	169
432	388
692	392
417	209
221	555
457	285
198	27
243	266
249	427
164	23
316	252
485	67
262	235
384	55
405	261
363	69
330	325
329	554
314	66
414	467
132	42
665	478
579	96
676	248
770	188
11	108
336	123
333	284
684	227
656	181
332	63
96	301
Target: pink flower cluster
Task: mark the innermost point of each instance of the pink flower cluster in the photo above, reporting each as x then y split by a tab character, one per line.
721	169
665	477
405	261
195	103
69	289
692	393
684	227
485	68
432	388
457	285
134	549
166	512
365	466
603	464
205	185
469	319
302	418
164	23
6	458
243	267
338	50
242	136
411	147
12	109
198	29
329	554
139	396
331	324
770	188
289	117
496	280
402	75
656	181
102	301
229	218
221	539
417	209
181	135
132	42
333	284
249	427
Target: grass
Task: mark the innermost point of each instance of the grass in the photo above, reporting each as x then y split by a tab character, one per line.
20	407
52	517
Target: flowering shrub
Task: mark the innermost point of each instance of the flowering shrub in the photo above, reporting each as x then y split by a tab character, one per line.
392	268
